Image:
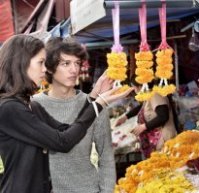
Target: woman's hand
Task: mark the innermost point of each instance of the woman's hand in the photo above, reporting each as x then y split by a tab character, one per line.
108	97
139	129
121	120
102	85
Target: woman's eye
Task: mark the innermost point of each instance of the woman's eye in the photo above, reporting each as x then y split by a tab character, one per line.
41	62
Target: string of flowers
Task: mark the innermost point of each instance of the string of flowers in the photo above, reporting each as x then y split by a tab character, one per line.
117	59
144	60
164	59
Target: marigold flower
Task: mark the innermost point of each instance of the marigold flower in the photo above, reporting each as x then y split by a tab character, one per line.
158	173
164	71
148	56
117	63
144	64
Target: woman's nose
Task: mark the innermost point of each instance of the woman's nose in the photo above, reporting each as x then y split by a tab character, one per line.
44	68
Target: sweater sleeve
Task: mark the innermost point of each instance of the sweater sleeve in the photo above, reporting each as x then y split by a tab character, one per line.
19	122
102	137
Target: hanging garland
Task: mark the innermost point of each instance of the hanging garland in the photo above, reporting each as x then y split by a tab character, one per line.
144	60
164	59
117	63
117	59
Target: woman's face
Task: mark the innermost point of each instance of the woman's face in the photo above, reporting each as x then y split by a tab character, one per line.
67	71
36	70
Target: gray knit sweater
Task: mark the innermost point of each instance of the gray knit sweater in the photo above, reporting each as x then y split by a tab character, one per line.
73	172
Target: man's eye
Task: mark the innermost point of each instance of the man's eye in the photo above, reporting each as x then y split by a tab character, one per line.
65	63
78	63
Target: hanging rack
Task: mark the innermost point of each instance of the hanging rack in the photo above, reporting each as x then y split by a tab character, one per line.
153	4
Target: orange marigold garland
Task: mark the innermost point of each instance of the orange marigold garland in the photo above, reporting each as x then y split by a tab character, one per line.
144	74
164	59
144	60
117	63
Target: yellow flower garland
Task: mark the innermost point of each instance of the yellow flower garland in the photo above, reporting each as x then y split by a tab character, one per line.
144	74
164	72
117	63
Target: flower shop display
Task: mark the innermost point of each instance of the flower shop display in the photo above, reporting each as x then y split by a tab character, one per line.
167	170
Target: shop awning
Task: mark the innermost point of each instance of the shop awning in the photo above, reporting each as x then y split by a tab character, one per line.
101	30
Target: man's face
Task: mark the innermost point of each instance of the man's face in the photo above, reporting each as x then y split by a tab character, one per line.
67	71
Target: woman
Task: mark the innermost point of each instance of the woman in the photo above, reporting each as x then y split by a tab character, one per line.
155	122
27	131
64	102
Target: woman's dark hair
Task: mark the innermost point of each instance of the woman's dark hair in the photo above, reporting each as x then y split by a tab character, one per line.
15	57
55	47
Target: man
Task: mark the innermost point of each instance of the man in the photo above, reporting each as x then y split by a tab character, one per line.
74	172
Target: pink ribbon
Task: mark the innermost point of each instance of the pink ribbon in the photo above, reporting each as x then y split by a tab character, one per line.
116	28
163	23
144	46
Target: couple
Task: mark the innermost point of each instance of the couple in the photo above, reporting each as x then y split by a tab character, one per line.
28	132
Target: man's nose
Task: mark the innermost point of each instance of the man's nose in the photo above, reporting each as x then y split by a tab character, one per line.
73	67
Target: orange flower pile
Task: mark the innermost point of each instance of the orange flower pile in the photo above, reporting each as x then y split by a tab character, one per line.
175	154
164	72
182	148
144	74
